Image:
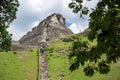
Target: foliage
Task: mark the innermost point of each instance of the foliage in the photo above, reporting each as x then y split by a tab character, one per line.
59	63
8	9
104	25
78	50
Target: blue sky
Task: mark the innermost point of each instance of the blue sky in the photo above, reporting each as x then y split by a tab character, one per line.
32	12
68	23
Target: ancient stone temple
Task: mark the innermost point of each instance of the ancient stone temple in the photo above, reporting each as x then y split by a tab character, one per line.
52	27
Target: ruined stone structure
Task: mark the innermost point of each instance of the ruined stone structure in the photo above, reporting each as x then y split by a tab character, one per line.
52	27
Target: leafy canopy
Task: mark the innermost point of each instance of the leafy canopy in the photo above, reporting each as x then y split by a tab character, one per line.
8	9
104	25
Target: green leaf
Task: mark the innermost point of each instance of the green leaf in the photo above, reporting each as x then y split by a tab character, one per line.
79	1
103	68
72	5
89	71
85	10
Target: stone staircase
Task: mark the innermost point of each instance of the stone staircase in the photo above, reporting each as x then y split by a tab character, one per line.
43	68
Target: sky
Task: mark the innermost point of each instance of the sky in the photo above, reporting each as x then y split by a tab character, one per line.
32	12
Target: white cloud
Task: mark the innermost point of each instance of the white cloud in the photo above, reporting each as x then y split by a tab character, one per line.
36	5
34	24
31	12
76	28
16	33
91	3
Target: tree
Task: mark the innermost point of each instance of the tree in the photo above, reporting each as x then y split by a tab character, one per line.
104	25
8	9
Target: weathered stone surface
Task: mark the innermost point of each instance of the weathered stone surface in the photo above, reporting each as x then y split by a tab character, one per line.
16	46
50	28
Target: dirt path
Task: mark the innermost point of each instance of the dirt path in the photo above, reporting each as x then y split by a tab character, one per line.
43	69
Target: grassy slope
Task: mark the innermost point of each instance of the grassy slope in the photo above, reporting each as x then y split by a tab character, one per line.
23	65
59	67
19	66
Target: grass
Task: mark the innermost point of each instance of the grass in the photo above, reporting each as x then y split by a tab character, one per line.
18	65
59	65
9	67
23	65
59	69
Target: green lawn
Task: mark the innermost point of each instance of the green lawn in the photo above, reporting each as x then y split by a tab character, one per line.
18	65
